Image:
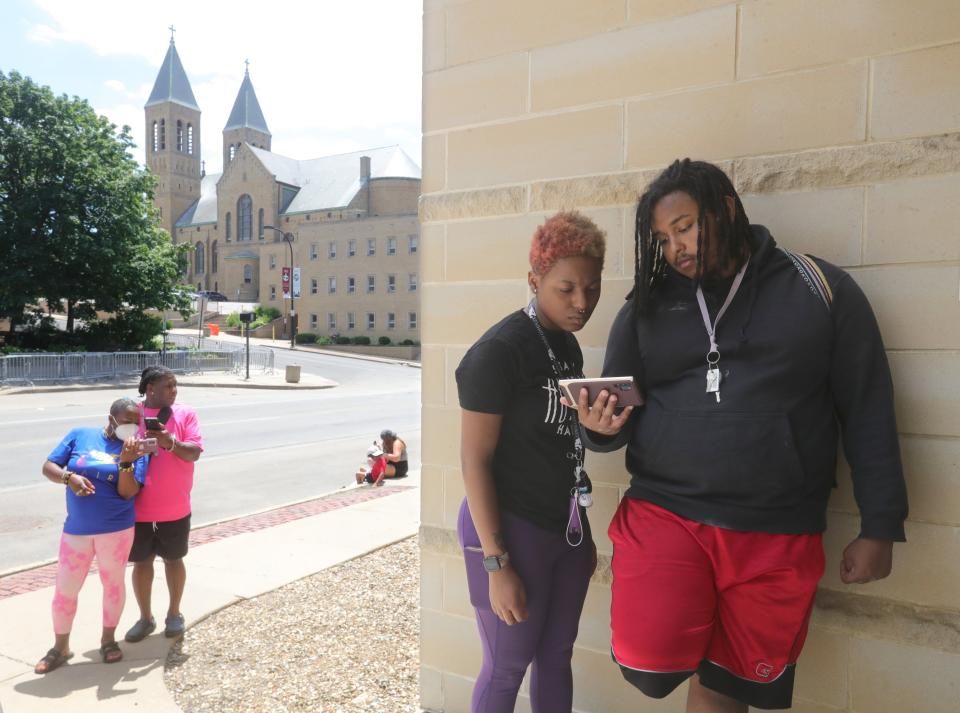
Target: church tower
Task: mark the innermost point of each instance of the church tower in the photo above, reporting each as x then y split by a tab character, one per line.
173	140
246	122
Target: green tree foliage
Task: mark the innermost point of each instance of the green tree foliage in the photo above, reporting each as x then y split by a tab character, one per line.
77	222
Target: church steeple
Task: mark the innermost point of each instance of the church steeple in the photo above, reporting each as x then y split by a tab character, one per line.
173	139
246	122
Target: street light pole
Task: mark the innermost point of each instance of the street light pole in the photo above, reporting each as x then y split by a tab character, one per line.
288	239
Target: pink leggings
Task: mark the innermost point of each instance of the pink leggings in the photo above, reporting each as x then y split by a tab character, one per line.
76	554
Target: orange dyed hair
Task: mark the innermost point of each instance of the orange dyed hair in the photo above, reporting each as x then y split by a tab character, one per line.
566	234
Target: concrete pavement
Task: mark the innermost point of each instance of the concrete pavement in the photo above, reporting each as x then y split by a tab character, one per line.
229	561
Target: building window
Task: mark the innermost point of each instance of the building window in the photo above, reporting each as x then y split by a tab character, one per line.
156	137
332	249
391	320
351	248
179	135
272	262
371	246
371	284
163	134
244	218
190	139
314	286
391	246
412	241
273	292
214	256
228	224
332	285
412	320
351	285
331	320
412	283
198	260
391	284
314	251
314	321
351	321
233	152
260	224
247	274
371	321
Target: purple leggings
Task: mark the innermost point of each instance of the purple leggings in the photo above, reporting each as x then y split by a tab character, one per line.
556	577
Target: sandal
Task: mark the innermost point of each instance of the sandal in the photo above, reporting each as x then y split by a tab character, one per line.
53	659
110	652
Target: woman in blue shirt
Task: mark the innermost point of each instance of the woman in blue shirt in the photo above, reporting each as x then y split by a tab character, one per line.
102	469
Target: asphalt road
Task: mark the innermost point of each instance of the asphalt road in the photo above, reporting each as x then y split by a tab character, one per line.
263	448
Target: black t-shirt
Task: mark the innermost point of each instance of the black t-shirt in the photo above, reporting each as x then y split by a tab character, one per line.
508	372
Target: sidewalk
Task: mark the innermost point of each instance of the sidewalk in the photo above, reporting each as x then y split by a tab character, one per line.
229	561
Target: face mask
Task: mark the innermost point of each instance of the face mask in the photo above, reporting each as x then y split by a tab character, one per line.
123	431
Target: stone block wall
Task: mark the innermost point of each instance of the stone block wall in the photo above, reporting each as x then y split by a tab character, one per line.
839	121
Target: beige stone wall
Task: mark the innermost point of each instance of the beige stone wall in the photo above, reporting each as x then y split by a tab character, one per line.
839	121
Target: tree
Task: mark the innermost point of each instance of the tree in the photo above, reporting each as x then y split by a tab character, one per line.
77	221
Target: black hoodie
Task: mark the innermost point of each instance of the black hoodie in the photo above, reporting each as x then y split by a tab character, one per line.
795	373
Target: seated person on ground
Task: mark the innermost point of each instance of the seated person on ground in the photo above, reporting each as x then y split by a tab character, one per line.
376	469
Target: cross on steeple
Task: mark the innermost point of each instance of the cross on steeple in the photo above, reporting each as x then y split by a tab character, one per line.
172	30
247	63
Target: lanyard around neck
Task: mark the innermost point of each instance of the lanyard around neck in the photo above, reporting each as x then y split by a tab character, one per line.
711	327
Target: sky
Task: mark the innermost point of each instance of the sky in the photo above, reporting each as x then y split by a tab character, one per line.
331	76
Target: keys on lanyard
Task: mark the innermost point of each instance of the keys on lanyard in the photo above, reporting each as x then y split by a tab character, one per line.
713	356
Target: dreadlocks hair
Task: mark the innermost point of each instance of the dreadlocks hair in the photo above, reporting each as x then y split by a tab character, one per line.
709	187
151	375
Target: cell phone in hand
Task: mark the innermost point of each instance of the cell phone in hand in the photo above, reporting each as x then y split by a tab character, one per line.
152	423
622	386
150	445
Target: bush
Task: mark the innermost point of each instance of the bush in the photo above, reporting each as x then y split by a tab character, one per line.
407	343
129	331
233	320
324	341
342	340
383	341
364	340
306	338
268	314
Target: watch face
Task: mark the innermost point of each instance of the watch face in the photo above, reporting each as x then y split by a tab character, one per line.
492	564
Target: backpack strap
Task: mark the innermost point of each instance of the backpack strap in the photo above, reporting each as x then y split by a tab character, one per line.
812	275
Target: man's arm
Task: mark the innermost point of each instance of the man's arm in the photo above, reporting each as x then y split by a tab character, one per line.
863	397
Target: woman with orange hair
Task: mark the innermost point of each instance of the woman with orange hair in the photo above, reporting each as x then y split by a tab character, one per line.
527	545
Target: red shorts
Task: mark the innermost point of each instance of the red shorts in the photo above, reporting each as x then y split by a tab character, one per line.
731	606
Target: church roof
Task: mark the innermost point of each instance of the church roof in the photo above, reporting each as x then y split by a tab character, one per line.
334	181
246	112
325	183
172	84
203	210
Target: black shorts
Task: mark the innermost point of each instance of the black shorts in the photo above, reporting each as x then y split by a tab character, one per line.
401	469
167	539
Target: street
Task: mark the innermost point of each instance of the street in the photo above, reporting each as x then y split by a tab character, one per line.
262	448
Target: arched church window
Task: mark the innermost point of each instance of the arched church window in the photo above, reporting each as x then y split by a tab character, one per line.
228	224
260	224
190	139
244	218
233	151
198	259
156	137
214	256
179	135
163	135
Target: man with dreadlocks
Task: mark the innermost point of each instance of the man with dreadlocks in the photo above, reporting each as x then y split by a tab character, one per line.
754	361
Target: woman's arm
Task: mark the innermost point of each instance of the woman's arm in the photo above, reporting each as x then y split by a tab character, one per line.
397	451
478	442
127	485
60	474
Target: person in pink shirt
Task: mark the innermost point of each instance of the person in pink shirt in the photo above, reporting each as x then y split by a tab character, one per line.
163	505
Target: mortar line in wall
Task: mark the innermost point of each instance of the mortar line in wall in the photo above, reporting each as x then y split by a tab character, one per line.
738	36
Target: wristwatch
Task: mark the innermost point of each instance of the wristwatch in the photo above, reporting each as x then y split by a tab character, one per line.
494	563
124	466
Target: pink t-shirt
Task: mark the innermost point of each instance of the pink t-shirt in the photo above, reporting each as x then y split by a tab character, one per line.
165	495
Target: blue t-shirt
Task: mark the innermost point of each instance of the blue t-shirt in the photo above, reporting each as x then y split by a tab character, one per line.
88	452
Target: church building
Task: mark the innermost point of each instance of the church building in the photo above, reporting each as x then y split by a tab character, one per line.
350	219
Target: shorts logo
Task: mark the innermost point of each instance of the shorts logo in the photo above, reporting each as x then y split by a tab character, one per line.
764	670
